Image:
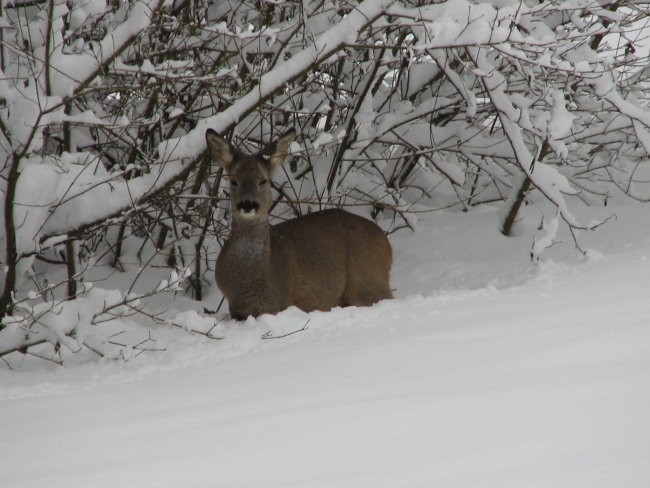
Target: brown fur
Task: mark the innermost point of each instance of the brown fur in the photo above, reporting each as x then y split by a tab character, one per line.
315	262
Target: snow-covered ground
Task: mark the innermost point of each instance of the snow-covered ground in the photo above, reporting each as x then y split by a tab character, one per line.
486	371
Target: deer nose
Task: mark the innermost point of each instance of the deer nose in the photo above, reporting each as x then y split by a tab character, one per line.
248	209
248	206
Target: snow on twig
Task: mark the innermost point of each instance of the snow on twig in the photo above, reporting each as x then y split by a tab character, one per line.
175	155
546	179
74	323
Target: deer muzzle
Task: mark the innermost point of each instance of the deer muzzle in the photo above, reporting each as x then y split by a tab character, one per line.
248	209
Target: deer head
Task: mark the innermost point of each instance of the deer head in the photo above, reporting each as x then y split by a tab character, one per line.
249	175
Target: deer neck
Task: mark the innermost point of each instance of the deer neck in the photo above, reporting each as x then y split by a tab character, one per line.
245	274
251	243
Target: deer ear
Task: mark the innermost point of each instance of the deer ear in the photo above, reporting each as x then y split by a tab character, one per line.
278	151
221	151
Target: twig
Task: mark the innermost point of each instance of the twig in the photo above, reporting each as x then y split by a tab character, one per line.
267	335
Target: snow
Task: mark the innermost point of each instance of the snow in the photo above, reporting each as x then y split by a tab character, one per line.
561	118
324	46
547	239
83	65
486	370
546	178
51	181
77	207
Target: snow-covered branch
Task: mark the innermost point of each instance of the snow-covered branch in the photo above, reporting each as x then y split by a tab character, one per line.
545	178
75	324
298	65
176	155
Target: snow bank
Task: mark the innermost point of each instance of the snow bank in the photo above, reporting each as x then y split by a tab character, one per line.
539	382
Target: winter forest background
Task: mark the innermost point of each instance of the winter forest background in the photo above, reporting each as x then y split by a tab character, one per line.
401	107
504	146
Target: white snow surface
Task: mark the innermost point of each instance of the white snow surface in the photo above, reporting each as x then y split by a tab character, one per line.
486	371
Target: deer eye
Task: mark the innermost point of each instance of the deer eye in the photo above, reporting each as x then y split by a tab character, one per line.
263	182
234	184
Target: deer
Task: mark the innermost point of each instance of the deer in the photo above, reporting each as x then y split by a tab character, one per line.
317	261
